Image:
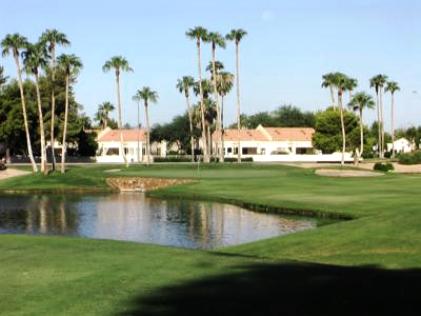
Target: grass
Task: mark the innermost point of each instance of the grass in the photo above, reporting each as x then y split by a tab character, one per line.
56	275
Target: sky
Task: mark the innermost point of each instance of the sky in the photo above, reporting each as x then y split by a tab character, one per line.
289	46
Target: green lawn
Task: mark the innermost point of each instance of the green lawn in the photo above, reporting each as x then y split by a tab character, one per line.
377	253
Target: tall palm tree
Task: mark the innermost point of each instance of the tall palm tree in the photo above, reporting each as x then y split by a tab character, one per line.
328	82
148	96
35	58
237	36
340	81
3	78
184	85
359	102
118	64
377	82
102	115
198	34
14	43
350	86
392	87
225	83
52	38
216	40
70	65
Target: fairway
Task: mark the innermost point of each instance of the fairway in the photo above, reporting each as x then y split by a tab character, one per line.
378	250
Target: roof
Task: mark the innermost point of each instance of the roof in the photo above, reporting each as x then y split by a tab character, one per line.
129	135
290	133
269	134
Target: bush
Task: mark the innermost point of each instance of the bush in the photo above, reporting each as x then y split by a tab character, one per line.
410	158
385	167
173	159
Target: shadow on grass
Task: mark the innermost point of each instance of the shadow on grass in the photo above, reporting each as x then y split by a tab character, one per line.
290	289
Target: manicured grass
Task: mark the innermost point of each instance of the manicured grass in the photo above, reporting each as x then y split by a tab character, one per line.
54	275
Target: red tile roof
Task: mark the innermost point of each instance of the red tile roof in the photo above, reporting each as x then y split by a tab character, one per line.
129	135
245	135
290	133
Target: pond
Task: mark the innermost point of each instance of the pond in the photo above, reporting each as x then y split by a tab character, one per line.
136	217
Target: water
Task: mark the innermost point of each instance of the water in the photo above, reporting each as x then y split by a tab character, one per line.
135	217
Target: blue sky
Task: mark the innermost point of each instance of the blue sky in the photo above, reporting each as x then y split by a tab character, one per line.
290	44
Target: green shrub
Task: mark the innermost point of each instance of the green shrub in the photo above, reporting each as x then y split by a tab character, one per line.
410	158
385	167
172	159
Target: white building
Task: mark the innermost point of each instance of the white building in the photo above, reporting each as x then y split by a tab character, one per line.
134	140
402	145
283	144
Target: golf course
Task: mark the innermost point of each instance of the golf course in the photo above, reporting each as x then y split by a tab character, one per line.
366	260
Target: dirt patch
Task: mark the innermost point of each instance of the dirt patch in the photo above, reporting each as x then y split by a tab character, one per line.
347	173
398	168
10	172
137	184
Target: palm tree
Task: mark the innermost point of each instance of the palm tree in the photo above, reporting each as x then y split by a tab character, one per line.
13	43
328	82
52	38
70	65
199	34
392	87
225	82
3	78
184	85
340	81
148	96
237	36
102	115
216	39
359	102
350	86
118	64
35	57
378	82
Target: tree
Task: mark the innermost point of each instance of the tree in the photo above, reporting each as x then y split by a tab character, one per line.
340	81
328	135
329	82
52	38
237	36
13	43
225	82
3	78
70	65
118	64
377	82
102	115
350	86
35	57
184	85
199	34
392	87
216	40
360	102
148	96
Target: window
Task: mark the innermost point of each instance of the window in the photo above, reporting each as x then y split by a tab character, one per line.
235	150
304	151
113	151
249	150
229	150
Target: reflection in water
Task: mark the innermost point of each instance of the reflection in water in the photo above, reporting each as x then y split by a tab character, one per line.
134	217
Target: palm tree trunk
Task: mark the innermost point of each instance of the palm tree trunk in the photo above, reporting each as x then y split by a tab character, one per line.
382	122
120	124
190	114
44	168
202	106
361	133
237	64
66	113
222	125
343	127
53	109
25	118
378	124
148	146
218	109
392	109
138	132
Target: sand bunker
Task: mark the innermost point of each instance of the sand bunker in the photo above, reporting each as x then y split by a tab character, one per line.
347	173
